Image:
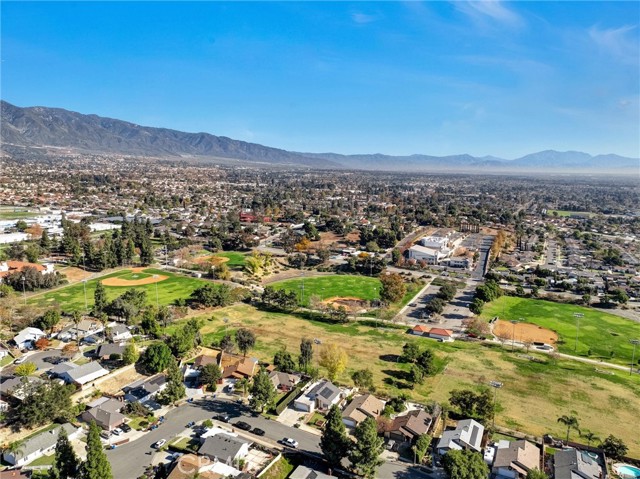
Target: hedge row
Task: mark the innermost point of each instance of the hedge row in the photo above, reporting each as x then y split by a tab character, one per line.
289	397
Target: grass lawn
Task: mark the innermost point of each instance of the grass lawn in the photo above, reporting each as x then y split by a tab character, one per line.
8	359
600	332
186	444
138	423
566	213
280	470
43	461
10	214
236	259
533	397
72	297
326	287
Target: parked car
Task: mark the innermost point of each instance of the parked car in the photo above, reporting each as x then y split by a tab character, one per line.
105	434
243	425
287	441
125	427
257	431
160	443
20	360
191	424
413	305
222	417
117	431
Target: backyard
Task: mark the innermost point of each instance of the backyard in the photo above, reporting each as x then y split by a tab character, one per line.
601	335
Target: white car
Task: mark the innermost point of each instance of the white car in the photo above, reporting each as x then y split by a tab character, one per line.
117	431
287	441
20	360
160	443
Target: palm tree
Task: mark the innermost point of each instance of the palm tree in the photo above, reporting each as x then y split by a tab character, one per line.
76	317
590	437
571	422
244	385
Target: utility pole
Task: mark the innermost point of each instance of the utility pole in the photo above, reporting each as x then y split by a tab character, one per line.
577	316
495	385
513	334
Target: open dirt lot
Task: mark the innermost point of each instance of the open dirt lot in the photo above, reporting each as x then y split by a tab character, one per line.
349	302
213	260
525	332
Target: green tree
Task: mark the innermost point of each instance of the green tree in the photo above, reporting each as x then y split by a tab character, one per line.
464	465
66	461
245	339
471	404
410	352
590	437
99	299
447	292
536	474
45	242
421	447
48	320
130	354
263	393
149	323
156	358
571	422
26	369
476	306
425	362
393	288
365	453
97	465
283	361
435	306
175	389
44	403
210	375
416	374
227	344
334	442
363	378
212	295
306	354
32	252
613	447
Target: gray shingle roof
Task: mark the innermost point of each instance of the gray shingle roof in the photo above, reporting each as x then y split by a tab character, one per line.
43	441
221	447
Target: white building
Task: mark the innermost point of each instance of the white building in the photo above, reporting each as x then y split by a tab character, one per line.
428	254
27	337
436	242
40	445
466	436
83	374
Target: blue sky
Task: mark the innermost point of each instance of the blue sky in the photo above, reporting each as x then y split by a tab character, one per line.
485	78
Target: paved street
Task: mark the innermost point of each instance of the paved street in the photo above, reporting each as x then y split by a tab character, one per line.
130	460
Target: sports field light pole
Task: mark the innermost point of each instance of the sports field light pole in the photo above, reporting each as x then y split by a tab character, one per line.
495	385
513	334
155	276
577	316
635	342
24	291
86	306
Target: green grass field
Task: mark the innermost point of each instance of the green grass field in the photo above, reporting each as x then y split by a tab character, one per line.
326	287
565	213
600	332
16	215
72	297
533	397
236	259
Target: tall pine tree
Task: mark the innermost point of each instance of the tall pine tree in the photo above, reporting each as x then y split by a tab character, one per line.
96	466
334	442
365	454
175	386
66	461
263	393
99	299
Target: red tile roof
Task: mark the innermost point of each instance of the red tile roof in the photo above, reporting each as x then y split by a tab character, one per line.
440	332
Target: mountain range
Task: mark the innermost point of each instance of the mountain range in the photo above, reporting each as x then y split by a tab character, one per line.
40	127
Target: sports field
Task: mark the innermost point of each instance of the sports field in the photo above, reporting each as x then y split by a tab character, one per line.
169	289
235	259
533	397
334	286
600	333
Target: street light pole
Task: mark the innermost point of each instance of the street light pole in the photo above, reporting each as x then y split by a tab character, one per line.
635	342
155	276
577	316
84	286
24	291
495	385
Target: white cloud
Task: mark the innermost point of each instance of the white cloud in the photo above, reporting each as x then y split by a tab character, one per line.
492	10
616	42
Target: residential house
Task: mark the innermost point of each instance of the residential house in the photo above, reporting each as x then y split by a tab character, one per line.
408	427
119	332
104	351
9	267
322	396
516	460
440	334
466	436
234	366
202	360
303	472
85	328
571	463
190	465
224	448
144	390
284	381
105	412
26	338
15	388
39	445
82	375
360	408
